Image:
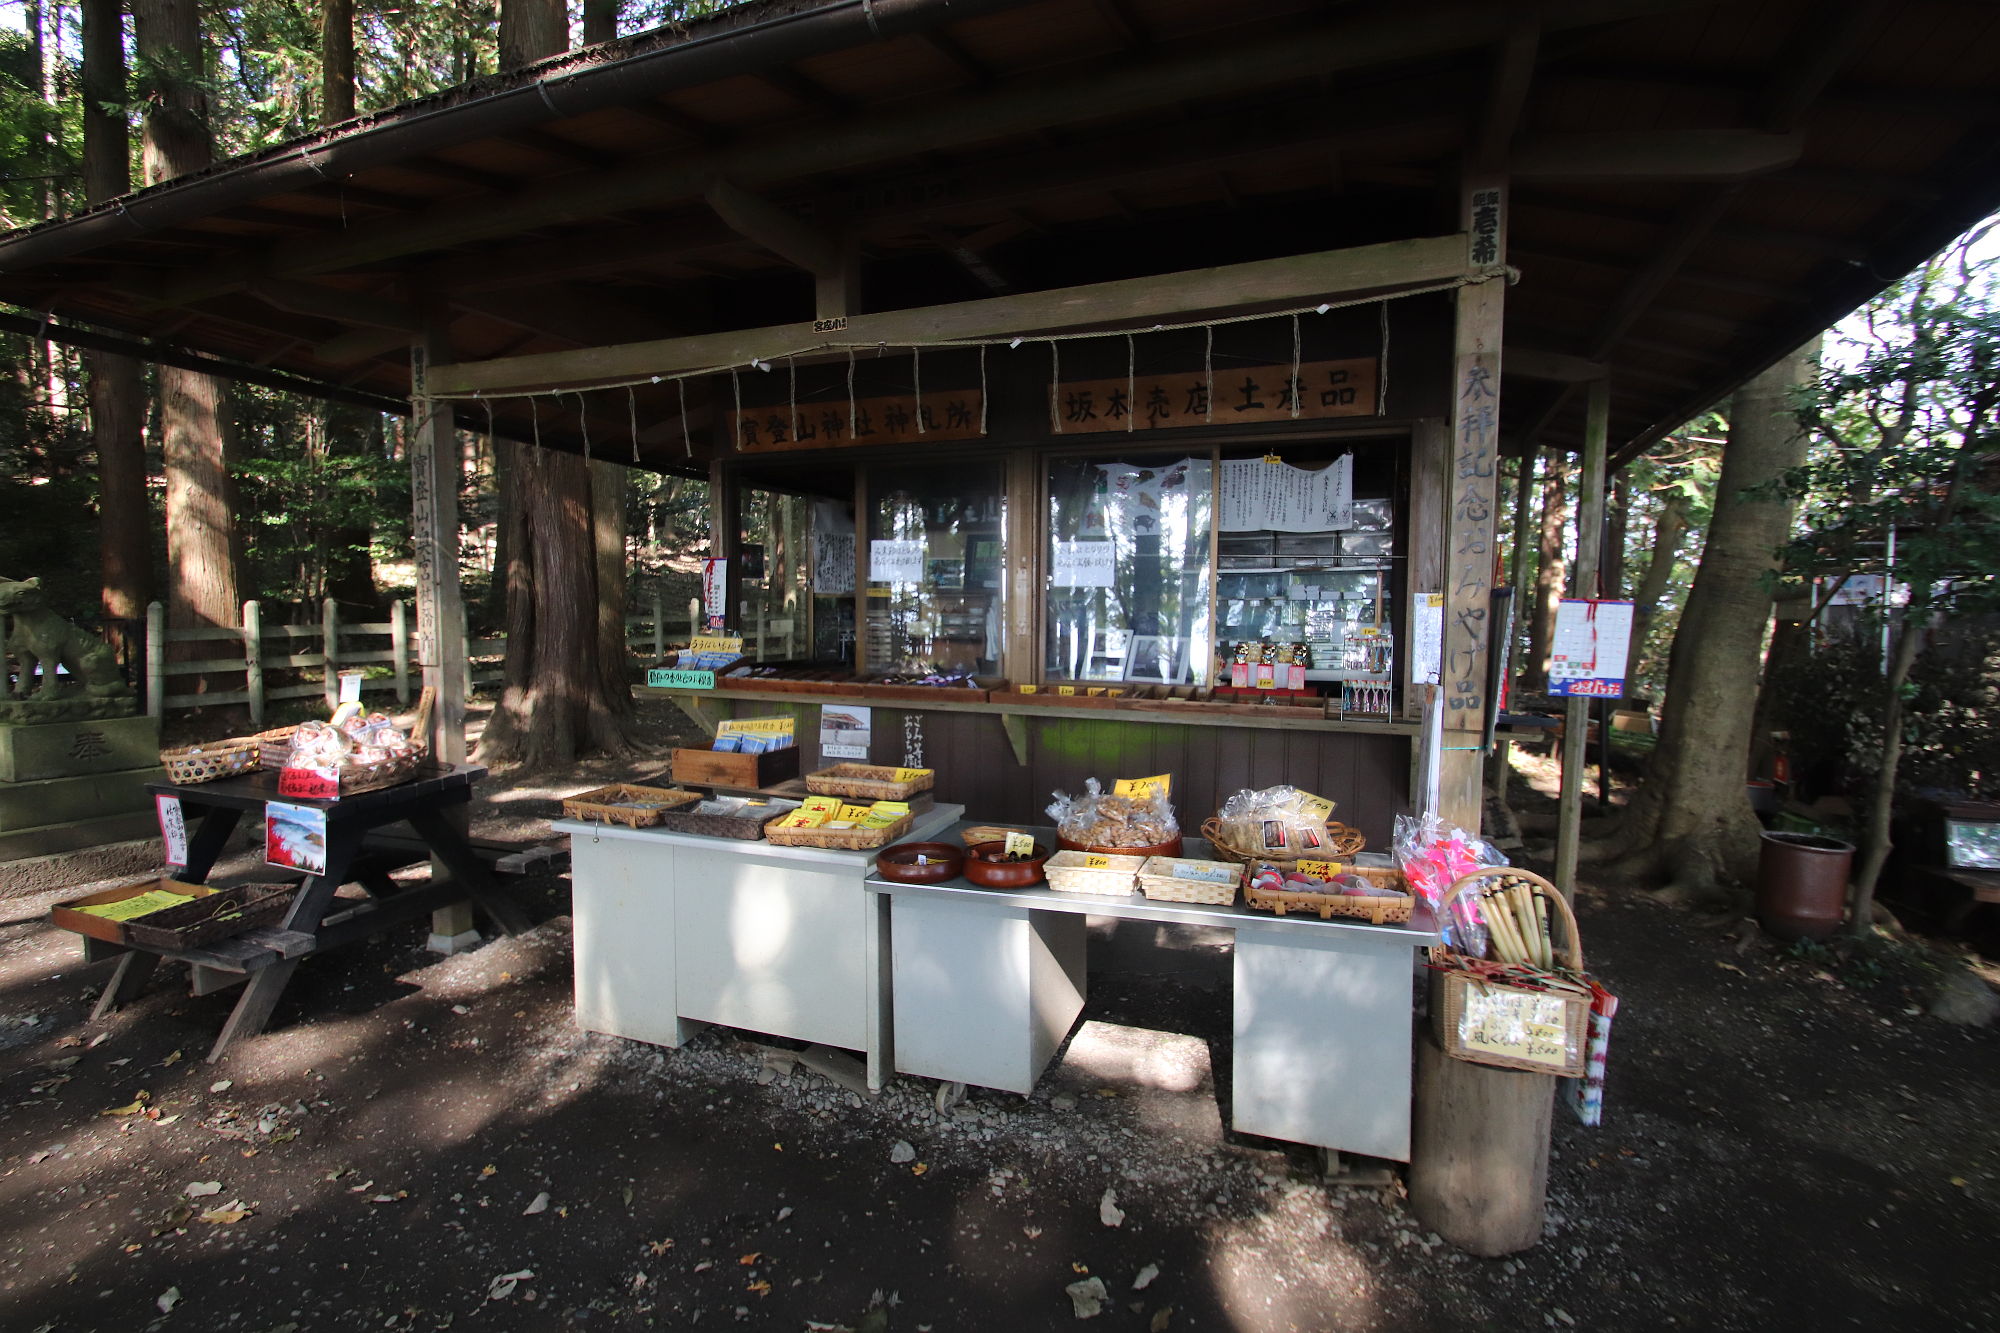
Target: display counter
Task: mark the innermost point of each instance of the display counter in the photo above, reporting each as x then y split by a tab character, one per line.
986	984
673	930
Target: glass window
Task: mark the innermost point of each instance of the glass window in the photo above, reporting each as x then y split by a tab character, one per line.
934	597
772	583
1128	568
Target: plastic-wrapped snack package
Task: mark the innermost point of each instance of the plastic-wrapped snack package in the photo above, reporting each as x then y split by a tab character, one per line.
1277	821
1095	819
316	745
1434	855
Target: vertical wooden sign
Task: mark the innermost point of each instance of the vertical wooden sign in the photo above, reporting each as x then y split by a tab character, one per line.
434	478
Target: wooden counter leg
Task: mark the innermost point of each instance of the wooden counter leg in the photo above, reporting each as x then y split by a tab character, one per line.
134	970
1480	1170
253	1008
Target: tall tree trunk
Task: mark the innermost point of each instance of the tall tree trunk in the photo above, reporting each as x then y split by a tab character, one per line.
117	387
351	432
336	63
201	523
609	486
1692	819
1551	573
1611	564
600	21
1668	530
532	30
1875	840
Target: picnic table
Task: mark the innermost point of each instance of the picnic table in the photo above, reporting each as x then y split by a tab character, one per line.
263	959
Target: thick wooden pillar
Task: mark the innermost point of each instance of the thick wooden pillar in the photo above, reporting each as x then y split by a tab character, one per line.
1583	583
1479	1159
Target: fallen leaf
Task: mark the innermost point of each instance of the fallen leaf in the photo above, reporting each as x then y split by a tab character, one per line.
704	1266
338	1172
628	1196
777	1147
1958	1181
95	1042
201	1189
232	1212
783	1213
920	1168
137	1105
1087	1297
747	1259
1108	1211
1031	1231
389	1198
1076	1267
1161	1317
488	1170
539	1205
119	1063
1145	1277
63	1062
173	1059
45	1153
761	1287
1731	967
503	1286
222	1085
660	1247
167	1299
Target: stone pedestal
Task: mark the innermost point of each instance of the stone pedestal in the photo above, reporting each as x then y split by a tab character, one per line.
65	785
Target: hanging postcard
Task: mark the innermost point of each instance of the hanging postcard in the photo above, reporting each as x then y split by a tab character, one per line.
295	837
1587	659
845	731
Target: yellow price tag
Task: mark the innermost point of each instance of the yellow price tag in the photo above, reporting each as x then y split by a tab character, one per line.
1319	869
1020	844
707	643
897	809
1029	689
821	805
848	811
1314	807
1093	691
1065	689
1163	785
911	774
1093	861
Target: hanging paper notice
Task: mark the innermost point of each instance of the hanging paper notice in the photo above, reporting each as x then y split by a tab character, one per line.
1083	565
295	837
173	829
714	590
833	563
1427	638
844	732
1258	496
1587	659
896	561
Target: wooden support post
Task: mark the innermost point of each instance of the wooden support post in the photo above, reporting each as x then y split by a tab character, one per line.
434	476
1430	499
1479	1156
1021	641
659	625
329	633
253	661
399	648
156	659
1583	583
1500	764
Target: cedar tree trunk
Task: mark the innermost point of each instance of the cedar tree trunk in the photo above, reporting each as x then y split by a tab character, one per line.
1551	574
1668	530
609	484
336	62
201	520
600	21
1691	821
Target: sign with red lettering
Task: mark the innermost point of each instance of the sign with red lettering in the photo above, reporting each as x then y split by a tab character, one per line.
309	784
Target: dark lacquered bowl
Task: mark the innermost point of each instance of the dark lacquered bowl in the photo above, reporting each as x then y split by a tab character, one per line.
920	862
984	868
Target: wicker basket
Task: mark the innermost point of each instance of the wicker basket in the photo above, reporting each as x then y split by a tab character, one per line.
1509	1025
839	839
1069	872
747	825
1195	882
979	833
1341	843
624	803
1376	911
873	782
224	913
274	745
206	763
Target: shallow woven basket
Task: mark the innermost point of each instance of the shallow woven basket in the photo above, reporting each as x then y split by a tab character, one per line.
1326	906
616	804
1341	843
206	763
1157	880
839	839
874	782
1448	1000
218	916
274	745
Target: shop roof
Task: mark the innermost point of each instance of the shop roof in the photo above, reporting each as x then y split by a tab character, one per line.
1697	187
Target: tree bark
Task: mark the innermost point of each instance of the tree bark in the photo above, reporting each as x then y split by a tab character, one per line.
202	545
117	386
1692	819
532	30
609	485
1668	531
336	63
1551	573
1875	840
1611	564
600	21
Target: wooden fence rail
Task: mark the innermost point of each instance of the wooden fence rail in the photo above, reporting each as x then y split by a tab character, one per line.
252	651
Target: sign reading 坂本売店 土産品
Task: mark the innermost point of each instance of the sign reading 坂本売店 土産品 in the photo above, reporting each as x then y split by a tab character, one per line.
1231	396
942	414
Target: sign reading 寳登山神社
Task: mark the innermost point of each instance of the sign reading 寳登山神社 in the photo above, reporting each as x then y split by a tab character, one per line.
1231	396
942	414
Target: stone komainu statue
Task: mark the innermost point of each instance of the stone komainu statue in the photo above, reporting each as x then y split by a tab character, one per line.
38	640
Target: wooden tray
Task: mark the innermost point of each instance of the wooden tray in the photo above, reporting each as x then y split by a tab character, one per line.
67	915
743	772
627	804
839	839
215	916
874	782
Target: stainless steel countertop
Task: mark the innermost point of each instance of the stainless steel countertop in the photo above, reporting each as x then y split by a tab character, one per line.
928	826
1417	933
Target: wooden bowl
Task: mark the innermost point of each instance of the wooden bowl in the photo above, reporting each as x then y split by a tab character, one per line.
920	862
989	873
1172	847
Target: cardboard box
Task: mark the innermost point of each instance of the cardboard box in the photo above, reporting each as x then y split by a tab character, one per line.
745	772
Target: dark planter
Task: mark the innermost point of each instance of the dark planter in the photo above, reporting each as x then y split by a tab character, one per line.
1802	885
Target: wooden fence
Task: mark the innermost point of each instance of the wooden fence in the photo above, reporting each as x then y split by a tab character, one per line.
319	653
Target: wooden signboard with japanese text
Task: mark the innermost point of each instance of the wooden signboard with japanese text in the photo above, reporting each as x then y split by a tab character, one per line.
1240	394
944	414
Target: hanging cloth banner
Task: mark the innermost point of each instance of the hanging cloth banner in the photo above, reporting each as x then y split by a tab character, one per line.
1276	497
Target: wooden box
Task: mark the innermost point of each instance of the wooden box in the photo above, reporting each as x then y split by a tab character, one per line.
745	772
67	915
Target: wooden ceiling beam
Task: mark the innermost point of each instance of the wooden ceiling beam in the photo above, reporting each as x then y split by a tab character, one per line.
1119	18
775	229
971	259
693	127
473	176
813	95
687	236
1507	94
343	307
1777	238
563	150
977	75
1539	363
1667	155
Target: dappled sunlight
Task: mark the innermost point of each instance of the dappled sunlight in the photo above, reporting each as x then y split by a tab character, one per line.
1288	1267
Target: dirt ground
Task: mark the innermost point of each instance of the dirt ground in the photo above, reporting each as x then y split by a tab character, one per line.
1790	1142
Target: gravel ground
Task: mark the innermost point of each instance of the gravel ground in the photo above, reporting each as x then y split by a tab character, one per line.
1790	1142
